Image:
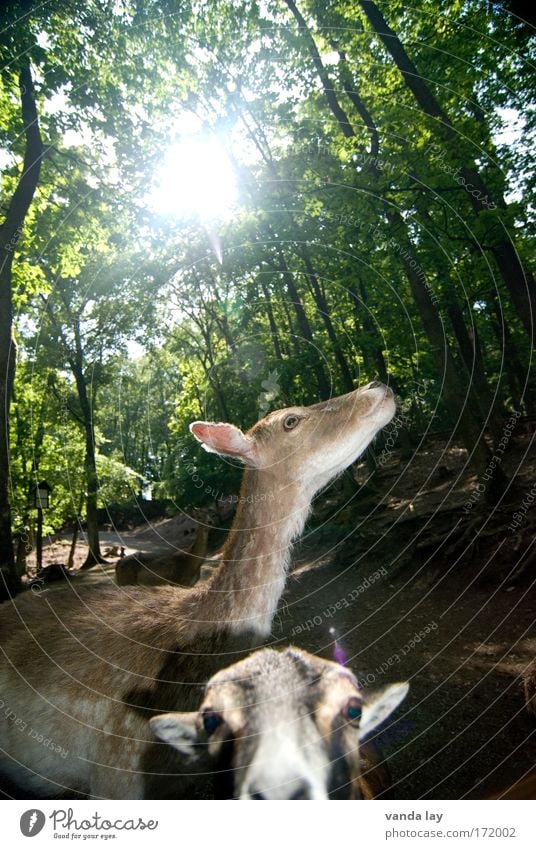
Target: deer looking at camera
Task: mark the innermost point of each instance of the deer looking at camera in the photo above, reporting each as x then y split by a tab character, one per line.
150	569
284	725
86	671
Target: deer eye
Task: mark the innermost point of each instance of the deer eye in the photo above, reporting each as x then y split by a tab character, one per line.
211	721
291	422
353	710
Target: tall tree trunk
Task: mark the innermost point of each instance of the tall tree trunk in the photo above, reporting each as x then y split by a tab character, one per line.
470	350
329	92
219	396
211	372
520	284
32	473
220	319
92	519
295	350
323	309
76	530
303	325
372	342
464	421
9	236
94	555
471	353
516	375
271	320
475	369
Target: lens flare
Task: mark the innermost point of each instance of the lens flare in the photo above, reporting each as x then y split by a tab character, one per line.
339	655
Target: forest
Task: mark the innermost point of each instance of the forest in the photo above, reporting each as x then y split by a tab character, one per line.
214	209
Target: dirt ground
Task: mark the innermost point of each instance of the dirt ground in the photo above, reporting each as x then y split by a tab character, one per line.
463	732
418	577
436	586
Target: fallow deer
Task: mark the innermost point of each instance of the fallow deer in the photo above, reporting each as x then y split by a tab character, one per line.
83	670
150	569
283	725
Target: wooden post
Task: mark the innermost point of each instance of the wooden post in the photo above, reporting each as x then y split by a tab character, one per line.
41	495
39	539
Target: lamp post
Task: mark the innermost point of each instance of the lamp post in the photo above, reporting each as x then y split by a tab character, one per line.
41	502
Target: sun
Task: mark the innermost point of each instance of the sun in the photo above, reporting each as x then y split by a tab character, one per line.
195	178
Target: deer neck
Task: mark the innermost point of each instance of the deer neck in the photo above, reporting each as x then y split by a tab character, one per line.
246	589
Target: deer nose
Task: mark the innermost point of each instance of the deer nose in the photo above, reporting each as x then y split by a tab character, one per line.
300	788
377	384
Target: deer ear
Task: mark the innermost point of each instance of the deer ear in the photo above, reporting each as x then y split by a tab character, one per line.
380	706
178	730
225	439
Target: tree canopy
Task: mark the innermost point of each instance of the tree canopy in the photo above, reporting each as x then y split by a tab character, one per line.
213	209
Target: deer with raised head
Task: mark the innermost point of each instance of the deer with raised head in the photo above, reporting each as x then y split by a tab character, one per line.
83	670
283	725
150	569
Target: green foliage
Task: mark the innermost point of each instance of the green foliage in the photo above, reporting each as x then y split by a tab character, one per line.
307	288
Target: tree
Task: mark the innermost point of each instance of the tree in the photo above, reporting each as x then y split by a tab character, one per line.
10	232
401	241
520	283
354	251
80	329
72	49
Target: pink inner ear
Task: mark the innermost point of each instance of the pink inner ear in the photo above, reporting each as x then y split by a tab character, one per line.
201	431
223	438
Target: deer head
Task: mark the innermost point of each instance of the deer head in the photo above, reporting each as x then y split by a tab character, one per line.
305	446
